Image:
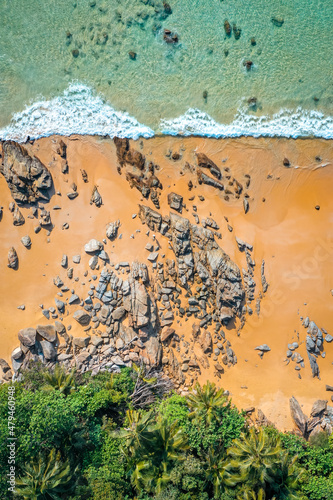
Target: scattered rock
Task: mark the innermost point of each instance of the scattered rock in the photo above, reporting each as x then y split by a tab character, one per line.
175	201
96	197
93	246
12	258
26	241
18	219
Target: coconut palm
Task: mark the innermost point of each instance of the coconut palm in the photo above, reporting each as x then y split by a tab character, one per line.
138	434
46	478
254	458
207	401
60	380
287	478
169	444
216	472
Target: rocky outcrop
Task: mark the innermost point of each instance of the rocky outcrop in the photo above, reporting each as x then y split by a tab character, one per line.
321	418
205	162
27	178
205	179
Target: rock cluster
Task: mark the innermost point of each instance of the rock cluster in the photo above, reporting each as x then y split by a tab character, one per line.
321	418
27	178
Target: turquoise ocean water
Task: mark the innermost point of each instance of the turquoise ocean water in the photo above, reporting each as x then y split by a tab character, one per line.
102	66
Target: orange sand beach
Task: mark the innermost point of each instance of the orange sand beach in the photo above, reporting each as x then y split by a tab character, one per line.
289	225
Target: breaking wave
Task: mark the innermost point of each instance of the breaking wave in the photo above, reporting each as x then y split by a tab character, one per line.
77	111
285	123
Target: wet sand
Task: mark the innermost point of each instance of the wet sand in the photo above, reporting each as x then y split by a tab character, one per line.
286	230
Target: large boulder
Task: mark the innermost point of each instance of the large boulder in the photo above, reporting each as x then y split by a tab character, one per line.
93	246
49	351
298	416
47	332
27	178
81	317
27	337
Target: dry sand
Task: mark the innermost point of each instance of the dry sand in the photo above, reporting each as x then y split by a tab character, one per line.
286	230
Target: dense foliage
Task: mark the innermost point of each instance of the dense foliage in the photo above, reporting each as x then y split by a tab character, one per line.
82	437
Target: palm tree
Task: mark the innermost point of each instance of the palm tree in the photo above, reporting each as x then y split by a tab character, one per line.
166	449
216	472
46	478
207	401
249	494
287	478
60	380
138	434
254	458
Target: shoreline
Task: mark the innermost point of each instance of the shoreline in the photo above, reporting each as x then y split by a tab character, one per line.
285	231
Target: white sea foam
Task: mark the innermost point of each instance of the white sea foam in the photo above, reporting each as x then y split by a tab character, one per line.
285	123
77	111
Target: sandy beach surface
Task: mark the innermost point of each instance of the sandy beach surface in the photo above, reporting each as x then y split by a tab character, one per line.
289	224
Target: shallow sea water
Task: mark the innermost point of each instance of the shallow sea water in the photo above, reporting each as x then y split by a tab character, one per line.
292	64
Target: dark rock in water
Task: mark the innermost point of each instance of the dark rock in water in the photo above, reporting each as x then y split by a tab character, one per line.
277	21
298	416
170	37
167	8
205	94
286	162
237	31
252	102
205	162
253	41
248	65
12	258
205	179
96	197
75	53
227	28
132	55
27	178
175	201
18	219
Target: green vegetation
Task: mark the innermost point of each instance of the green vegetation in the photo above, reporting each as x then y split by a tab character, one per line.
93	438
